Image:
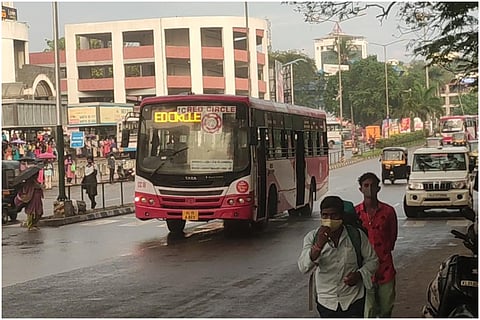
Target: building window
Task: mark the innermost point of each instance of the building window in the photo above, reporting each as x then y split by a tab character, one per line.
177	37
211	37
239	40
241	70
140	70
94	41
138	38
212	68
63	73
95	72
178	67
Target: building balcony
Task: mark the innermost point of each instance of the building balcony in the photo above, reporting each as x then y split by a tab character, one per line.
46	58
95	84
213	82
103	54
262	86
261	58
179	82
240	55
140	82
142	52
241	84
63	85
177	52
212	53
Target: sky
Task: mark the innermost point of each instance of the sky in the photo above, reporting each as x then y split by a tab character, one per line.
289	31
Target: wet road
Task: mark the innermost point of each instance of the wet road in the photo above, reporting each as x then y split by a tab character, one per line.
122	267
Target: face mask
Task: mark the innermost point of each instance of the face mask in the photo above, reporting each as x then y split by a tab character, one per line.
333	224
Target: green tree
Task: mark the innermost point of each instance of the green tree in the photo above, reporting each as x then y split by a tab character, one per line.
51	45
468	103
443	31
308	84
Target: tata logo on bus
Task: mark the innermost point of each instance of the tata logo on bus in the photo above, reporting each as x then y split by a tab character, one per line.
177	117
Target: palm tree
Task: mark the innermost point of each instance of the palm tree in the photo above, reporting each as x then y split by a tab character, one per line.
419	102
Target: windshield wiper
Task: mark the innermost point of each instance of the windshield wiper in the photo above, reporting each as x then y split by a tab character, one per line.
169	157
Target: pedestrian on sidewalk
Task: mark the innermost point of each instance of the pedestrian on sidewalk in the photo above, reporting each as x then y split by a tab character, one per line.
30	197
48	173
69	168
380	220
89	181
111	166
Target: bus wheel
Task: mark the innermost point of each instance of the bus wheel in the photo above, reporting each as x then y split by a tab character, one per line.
307	210
175	225
272	207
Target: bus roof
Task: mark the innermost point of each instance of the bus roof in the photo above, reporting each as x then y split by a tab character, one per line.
251	102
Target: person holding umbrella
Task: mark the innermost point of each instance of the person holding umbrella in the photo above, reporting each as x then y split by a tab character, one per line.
89	181
30	196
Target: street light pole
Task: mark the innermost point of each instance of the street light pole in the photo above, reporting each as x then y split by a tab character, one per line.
248	49
340	98
386	80
58	88
290	64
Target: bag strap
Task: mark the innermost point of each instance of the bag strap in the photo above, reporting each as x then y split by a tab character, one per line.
354	235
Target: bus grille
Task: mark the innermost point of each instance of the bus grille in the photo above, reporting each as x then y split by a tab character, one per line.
184	193
437	186
191	203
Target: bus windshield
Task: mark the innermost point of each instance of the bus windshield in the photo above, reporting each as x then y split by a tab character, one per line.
451	125
193	139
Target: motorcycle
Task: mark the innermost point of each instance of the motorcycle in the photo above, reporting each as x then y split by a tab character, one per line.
453	293
125	174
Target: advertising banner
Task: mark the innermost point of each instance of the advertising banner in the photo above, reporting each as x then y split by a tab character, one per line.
279	81
417	124
82	115
113	114
405	125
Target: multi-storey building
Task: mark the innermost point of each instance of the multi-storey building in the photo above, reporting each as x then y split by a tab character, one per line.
125	61
326	50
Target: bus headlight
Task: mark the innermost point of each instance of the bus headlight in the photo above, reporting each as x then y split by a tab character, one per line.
415	186
230	202
241	201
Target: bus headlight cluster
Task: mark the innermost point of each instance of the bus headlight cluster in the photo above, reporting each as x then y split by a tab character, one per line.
240	200
415	186
144	200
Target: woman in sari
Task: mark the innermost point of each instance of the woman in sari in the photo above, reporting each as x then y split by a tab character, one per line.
30	197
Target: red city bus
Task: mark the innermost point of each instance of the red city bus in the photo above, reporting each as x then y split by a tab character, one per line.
236	158
450	125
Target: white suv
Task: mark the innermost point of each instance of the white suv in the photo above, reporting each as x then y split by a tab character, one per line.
439	178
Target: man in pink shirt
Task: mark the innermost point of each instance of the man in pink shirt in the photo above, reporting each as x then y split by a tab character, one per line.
380	220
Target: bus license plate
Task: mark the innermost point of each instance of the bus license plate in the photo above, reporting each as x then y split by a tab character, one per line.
189	214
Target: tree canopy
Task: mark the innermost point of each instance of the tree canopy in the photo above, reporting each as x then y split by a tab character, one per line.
445	33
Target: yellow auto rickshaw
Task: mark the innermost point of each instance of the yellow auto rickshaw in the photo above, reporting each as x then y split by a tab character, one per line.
459	139
395	164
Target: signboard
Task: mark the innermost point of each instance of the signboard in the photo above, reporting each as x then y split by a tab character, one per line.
9	13
333	68
113	114
82	115
77	139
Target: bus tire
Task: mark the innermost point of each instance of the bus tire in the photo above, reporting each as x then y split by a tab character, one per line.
272	207
175	225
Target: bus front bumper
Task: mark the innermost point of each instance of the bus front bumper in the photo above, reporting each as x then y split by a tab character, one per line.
231	213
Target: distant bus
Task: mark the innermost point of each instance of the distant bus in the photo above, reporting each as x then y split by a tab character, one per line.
130	122
334	132
450	125
236	158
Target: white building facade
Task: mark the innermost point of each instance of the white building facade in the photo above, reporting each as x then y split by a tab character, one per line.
126	61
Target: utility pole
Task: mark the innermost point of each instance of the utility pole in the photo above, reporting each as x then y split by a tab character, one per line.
60	141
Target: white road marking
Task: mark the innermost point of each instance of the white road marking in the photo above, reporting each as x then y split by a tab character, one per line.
98	222
458	223
414	224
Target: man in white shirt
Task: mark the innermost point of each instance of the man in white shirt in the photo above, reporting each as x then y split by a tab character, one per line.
339	280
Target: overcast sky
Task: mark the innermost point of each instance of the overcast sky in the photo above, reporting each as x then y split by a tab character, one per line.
289	31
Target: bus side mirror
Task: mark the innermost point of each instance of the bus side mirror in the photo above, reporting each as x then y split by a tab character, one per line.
125	138
253	136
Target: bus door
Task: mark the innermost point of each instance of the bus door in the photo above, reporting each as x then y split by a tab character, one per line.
300	166
262	173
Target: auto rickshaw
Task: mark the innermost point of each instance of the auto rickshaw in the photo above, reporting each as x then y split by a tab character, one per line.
10	169
459	139
395	164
